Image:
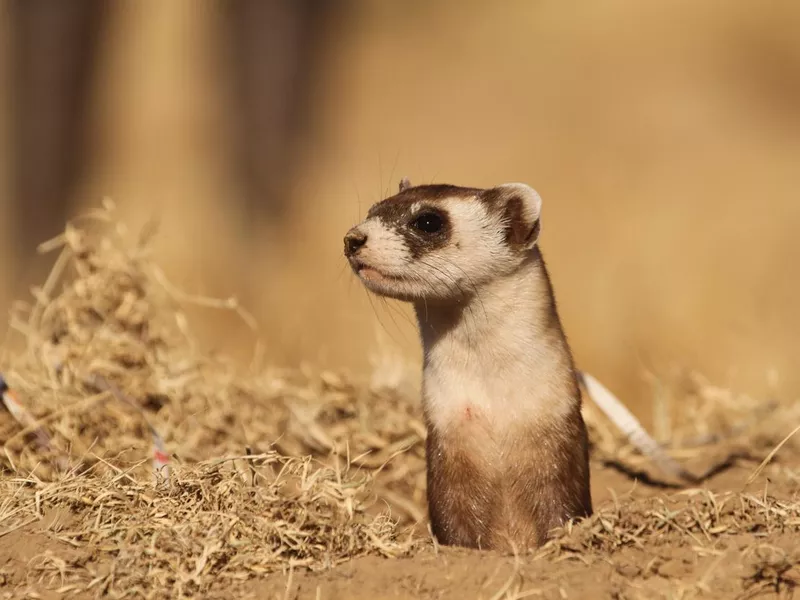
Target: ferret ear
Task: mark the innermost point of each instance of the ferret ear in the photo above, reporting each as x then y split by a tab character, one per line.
521	207
404	184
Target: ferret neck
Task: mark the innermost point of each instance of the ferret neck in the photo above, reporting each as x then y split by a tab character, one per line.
505	314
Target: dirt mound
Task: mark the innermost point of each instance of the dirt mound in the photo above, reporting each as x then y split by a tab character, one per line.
137	465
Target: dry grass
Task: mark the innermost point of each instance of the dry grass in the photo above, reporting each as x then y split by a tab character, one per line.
697	516
244	494
278	473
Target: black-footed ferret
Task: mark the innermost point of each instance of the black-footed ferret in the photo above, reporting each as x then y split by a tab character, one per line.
507	447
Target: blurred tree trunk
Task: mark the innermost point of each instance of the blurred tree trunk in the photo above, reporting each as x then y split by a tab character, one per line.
273	49
53	61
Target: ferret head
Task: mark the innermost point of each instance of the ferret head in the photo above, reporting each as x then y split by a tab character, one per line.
440	242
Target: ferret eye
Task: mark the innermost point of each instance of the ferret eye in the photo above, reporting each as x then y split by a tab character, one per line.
428	222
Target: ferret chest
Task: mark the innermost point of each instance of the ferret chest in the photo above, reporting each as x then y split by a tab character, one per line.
492	392
470	400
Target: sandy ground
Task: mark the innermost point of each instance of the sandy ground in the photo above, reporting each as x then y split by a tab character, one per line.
662	137
718	541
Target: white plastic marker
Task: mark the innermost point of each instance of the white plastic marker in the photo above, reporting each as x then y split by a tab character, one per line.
619	414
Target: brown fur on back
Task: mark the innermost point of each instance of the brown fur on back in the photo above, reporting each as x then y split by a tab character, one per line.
485	493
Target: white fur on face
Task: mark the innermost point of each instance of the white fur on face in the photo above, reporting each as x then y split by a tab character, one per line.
385	260
475	253
385	250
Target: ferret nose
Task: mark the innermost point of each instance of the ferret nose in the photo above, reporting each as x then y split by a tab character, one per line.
353	241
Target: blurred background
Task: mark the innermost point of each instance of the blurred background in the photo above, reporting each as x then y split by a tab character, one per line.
664	138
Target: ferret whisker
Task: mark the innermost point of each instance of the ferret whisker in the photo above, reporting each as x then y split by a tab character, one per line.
381	190
342	270
474	287
392	310
450	281
467	307
394	167
471	284
403	315
377	315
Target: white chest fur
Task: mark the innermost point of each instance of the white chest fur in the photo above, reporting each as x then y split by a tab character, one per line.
498	382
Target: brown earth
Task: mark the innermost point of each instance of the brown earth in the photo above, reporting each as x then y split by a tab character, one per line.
306	484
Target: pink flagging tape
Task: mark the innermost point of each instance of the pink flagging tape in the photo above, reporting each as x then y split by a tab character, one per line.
160	455
23	416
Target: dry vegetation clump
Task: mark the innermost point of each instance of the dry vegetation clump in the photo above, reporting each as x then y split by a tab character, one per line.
112	375
134	464
703	425
698	517
208	528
